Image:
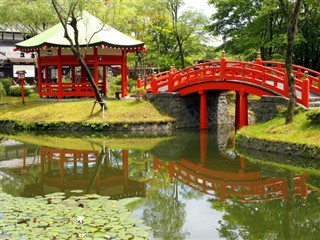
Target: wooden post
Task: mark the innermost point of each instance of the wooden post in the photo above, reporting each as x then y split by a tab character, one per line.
305	91
139	81
223	65
258	59
203	109
241	109
39	74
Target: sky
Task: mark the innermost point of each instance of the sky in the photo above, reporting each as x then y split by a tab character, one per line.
208	10
200	5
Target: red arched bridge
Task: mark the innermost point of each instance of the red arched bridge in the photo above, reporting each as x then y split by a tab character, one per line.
261	78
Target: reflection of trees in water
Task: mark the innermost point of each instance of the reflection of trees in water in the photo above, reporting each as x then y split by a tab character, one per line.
140	165
291	218
163	211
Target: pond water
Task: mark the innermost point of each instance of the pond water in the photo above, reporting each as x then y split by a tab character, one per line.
188	185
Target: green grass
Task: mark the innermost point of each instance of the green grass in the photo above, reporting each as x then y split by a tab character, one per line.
119	111
300	131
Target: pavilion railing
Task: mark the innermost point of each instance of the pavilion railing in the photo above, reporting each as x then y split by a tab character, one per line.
66	90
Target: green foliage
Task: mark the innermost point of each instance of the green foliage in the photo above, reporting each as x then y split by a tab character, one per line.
2	91
313	116
28	18
6	83
114	85
283	110
16	91
247	26
139	93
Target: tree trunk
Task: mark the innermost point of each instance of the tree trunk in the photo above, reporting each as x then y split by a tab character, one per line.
181	52
71	19
291	33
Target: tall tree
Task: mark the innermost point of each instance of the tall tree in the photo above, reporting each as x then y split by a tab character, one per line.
30	17
69	15
291	9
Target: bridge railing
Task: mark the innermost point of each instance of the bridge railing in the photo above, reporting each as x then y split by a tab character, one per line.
300	73
264	74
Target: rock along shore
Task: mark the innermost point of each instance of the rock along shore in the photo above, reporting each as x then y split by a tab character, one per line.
265	145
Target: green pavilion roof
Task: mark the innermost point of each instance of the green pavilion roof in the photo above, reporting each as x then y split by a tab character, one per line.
89	27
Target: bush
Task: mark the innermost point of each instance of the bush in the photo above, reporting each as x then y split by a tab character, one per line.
16	91
313	115
6	83
2	91
139	93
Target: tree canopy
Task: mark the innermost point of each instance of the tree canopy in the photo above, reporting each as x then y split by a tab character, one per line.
249	25
175	36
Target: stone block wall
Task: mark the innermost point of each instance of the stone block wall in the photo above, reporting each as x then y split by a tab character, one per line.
267	107
186	110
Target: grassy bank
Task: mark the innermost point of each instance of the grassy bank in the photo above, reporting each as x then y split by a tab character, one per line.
300	131
119	111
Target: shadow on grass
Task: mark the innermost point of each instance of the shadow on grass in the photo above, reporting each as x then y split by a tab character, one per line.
310	126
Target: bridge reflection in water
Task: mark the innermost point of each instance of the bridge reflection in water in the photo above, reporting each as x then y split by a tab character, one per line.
224	177
196	161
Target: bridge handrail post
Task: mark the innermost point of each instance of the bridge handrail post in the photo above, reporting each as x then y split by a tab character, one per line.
154	84
305	91
223	65
170	81
139	82
258	59
285	85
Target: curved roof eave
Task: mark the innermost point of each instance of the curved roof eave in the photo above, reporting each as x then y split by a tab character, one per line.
89	27
48	44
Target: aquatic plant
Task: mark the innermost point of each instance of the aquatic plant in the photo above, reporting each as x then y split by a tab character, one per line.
54	216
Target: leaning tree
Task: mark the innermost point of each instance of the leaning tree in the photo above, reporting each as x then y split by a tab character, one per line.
69	13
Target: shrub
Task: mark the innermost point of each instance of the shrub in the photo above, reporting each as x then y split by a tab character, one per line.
283	110
139	93
6	83
313	115
2	91
16	91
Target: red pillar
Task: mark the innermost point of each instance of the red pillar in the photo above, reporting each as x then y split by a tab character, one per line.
241	109
124	77
60	89
223	66
203	110
39	73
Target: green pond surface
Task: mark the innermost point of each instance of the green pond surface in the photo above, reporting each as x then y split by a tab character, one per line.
183	185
